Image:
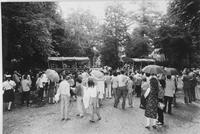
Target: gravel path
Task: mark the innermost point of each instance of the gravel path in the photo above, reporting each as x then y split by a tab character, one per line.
46	120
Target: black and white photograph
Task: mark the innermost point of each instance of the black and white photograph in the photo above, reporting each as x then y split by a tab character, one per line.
100	67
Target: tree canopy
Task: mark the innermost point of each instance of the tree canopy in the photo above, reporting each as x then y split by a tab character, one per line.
27	32
33	31
115	34
179	33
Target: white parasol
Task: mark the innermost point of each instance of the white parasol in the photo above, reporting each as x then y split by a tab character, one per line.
52	75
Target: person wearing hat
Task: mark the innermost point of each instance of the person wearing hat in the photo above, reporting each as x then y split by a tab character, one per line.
8	87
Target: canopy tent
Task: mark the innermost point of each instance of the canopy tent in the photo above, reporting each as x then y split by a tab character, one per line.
127	59
138	62
68	63
68	58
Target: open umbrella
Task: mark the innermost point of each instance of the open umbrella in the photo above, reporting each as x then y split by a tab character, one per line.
52	75
153	69
171	71
97	74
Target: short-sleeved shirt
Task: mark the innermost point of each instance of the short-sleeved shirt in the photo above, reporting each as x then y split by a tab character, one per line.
114	82
64	88
93	91
122	80
26	85
7	85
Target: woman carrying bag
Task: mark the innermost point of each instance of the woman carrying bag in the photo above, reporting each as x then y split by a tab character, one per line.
151	96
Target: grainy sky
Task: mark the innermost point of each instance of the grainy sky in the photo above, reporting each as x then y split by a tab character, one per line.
97	7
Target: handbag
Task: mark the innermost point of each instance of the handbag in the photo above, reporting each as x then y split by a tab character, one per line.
57	97
143	102
161	105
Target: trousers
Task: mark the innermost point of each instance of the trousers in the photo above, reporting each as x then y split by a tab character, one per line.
130	99
121	92
80	105
168	100
64	106
108	91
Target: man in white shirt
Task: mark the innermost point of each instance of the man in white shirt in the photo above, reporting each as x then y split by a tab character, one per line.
122	90
64	92
40	86
169	93
26	84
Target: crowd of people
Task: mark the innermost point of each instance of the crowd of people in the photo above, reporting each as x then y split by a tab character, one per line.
157	92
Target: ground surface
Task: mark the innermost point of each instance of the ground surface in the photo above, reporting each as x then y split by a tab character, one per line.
46	120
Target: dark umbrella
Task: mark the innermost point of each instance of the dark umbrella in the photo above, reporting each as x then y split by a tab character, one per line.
153	69
171	71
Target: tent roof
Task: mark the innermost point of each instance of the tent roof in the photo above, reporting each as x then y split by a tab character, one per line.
143	60
127	59
68	58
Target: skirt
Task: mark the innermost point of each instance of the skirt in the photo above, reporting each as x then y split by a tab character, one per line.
8	95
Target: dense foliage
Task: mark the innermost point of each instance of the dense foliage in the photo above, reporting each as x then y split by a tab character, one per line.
115	35
27	33
32	31
179	34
